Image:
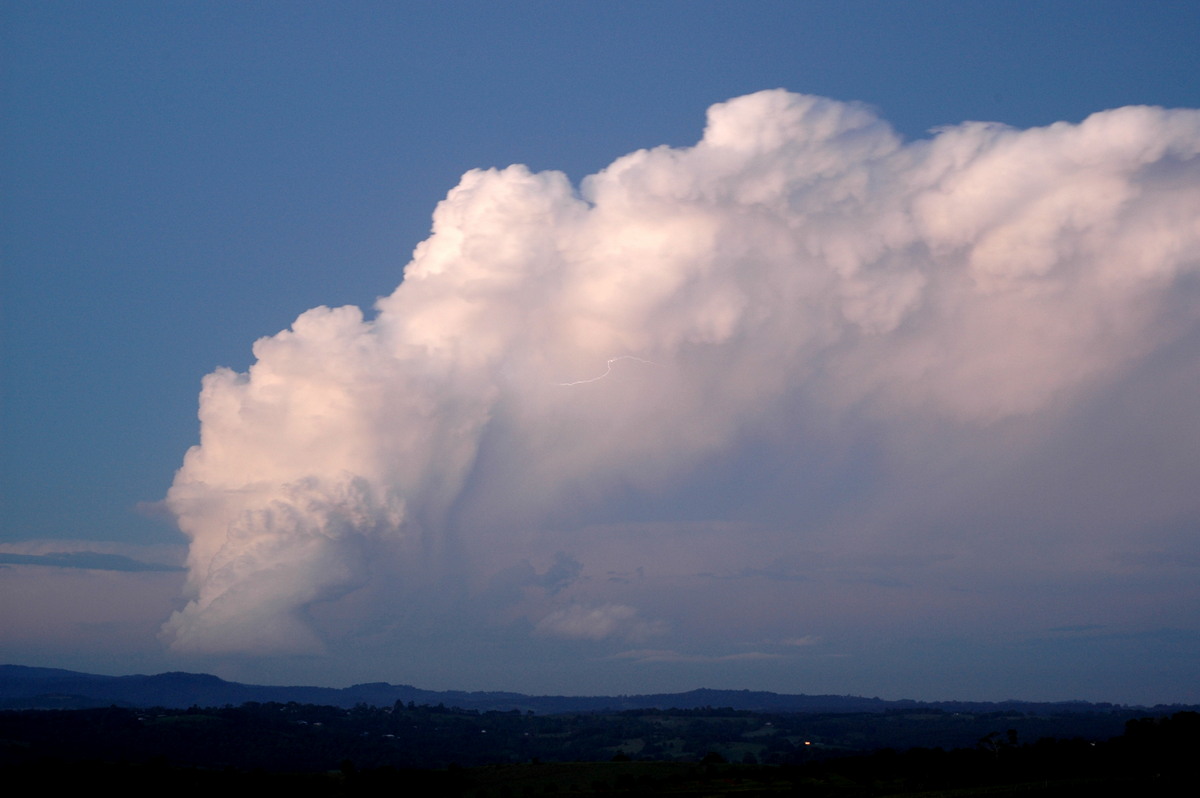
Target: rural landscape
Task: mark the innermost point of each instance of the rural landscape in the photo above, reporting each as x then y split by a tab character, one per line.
655	745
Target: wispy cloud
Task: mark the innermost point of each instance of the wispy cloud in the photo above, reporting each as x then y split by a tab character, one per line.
92	555
666	655
596	623
807	640
86	559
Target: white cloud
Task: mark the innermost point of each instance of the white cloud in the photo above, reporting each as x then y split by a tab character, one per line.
906	332
807	640
595	623
667	655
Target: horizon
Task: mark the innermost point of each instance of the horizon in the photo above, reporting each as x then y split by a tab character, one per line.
682	692
837	348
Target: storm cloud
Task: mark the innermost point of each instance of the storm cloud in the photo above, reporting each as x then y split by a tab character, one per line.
802	357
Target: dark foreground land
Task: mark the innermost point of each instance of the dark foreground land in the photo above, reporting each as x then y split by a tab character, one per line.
420	750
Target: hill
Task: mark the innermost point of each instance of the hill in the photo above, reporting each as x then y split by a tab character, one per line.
24	687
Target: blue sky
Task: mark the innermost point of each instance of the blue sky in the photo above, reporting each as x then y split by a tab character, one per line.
183	179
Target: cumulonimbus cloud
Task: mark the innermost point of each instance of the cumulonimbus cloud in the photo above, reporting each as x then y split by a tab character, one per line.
550	344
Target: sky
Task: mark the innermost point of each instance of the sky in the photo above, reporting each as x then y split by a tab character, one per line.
824	347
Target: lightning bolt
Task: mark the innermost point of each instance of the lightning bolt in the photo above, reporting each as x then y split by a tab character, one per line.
608	367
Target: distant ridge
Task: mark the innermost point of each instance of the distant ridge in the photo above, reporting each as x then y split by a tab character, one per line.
24	687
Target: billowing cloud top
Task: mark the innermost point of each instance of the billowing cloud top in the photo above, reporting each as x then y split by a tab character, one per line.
797	277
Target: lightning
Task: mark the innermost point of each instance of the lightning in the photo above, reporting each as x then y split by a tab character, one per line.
608	367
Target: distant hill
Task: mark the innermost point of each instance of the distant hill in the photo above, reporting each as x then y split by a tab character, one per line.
50	688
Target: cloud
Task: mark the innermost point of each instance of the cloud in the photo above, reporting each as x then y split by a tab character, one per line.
807	640
85	559
595	623
68	600
655	655
803	336
776	573
91	555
